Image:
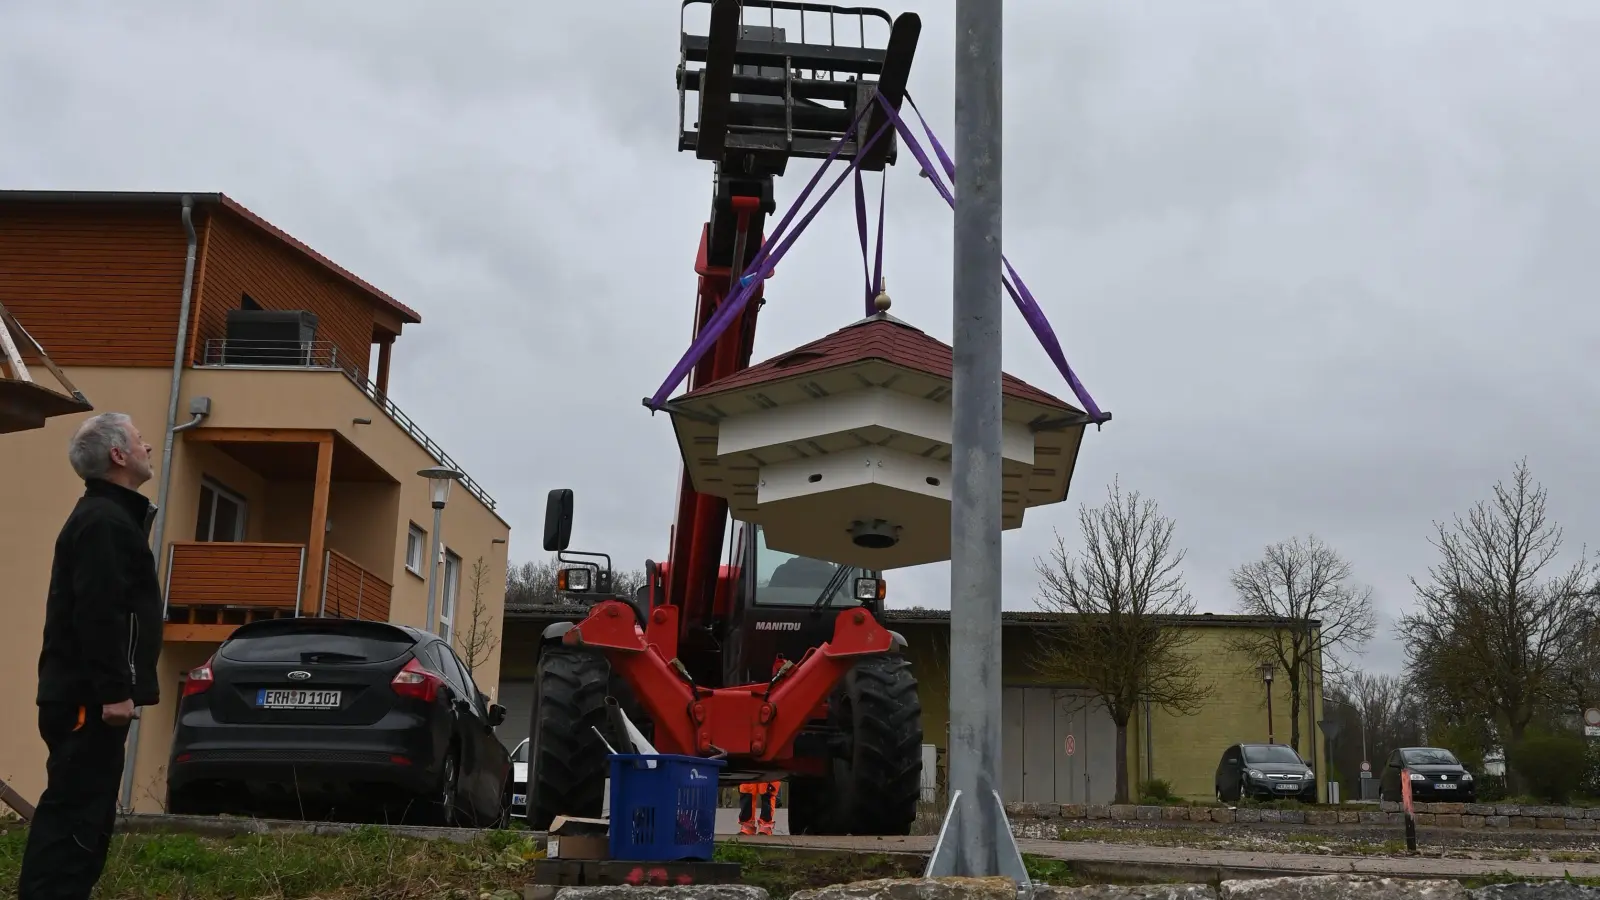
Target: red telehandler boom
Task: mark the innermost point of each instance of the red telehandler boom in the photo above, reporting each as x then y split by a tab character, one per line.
775	662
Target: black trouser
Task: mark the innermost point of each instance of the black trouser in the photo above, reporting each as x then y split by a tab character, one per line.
71	830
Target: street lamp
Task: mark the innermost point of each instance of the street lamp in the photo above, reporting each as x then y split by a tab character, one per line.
439	480
1266	678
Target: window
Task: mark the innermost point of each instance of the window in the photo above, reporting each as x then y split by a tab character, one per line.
784	579
1429	756
416	549
1271	753
222	514
447	596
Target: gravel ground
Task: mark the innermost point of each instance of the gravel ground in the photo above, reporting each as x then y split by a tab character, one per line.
1352	840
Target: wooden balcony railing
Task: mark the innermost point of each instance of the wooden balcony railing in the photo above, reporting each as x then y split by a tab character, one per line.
214	587
220	575
351	592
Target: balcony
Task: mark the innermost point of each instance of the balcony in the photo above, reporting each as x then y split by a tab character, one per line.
325	356
215	586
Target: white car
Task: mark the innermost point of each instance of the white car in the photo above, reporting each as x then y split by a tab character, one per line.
519	780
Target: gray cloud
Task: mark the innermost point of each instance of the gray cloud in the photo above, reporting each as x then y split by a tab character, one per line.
1326	262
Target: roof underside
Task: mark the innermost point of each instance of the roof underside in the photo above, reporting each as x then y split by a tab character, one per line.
406	313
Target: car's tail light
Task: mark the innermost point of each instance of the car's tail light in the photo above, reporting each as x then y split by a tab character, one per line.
416	682
199	680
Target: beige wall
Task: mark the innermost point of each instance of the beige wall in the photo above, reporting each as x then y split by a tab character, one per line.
242	399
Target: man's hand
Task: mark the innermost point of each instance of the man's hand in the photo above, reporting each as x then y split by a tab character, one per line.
118	714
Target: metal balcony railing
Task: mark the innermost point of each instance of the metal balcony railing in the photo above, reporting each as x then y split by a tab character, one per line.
225	353
271	354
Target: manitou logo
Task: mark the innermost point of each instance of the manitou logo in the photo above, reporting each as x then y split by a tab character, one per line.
777	626
694	775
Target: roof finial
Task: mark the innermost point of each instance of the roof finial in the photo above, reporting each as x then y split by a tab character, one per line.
881	302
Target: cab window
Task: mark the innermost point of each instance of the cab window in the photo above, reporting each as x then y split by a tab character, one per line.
784	579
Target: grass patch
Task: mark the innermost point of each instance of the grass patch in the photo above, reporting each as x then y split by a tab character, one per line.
782	872
368	863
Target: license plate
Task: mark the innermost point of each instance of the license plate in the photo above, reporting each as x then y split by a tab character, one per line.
519	799
292	699
1444	787
1288	787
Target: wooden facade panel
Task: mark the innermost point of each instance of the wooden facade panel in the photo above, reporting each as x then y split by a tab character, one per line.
97	285
234	574
353	592
241	260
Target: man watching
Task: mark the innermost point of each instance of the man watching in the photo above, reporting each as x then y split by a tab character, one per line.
97	665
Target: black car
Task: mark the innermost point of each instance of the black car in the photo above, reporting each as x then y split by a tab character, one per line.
1261	771
319	716
1435	773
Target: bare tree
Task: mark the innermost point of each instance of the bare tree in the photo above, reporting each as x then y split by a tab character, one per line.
1390	717
1117	597
1491	632
479	640
1296	583
534	584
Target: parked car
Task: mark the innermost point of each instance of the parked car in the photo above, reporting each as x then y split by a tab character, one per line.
1260	771
519	780
319	714
1435	775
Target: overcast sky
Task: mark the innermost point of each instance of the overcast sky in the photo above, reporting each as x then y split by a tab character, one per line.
1324	261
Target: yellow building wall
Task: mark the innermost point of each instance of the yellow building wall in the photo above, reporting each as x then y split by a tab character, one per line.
37	506
1183	750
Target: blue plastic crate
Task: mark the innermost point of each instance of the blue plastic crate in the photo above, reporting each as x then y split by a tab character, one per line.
664	814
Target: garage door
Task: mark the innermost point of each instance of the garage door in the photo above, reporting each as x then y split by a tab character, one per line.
517	698
1058	746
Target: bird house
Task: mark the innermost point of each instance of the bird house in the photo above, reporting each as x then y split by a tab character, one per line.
840	449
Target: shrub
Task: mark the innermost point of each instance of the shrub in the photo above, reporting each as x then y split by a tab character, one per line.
1156	791
1552	765
1491	788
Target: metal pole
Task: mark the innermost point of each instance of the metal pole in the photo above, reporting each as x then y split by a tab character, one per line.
975	451
1270	738
432	625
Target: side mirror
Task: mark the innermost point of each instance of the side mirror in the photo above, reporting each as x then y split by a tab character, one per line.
558	520
497	715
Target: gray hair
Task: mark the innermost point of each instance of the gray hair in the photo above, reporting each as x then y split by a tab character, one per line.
90	450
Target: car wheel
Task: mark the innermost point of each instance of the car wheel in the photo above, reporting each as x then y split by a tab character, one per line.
448	797
1244	790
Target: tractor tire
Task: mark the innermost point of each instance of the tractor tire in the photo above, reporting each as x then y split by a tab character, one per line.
567	761
875	783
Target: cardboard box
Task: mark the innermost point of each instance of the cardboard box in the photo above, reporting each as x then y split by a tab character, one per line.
575	838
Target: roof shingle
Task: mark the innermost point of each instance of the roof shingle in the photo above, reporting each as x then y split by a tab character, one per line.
881	337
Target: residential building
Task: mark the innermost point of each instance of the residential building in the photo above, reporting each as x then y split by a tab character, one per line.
1058	740
296	493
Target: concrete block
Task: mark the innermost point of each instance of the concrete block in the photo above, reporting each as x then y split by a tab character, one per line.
1426	820
1480	809
1321	817
703	892
1448	809
1123	812
1270	815
1349	817
1396	819
1175	814
1247	815
1474	821
1074	811
1388	806
1292	816
1594	814
1582	825
1497	821
1541	890
1100	812
1373	818
1341	887
1147	813
1552	823
1126	892
904	889
1523	822
1222	816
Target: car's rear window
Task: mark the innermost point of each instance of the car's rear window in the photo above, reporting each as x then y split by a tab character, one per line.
317	646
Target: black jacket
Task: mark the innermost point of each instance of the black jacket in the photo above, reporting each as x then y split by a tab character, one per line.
102	622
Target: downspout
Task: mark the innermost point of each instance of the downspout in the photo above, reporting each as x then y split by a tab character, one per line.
164	486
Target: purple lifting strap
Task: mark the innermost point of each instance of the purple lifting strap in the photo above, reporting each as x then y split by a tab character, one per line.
875	276
1019	292
761	267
